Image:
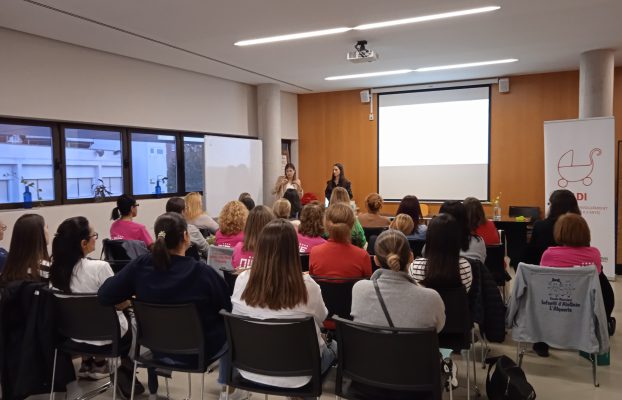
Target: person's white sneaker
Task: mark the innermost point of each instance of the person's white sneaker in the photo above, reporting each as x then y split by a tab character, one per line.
237	394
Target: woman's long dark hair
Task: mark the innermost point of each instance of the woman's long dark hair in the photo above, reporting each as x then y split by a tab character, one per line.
169	229
124	206
294	200
28	249
562	201
342	175
442	251
67	250
457	210
410	206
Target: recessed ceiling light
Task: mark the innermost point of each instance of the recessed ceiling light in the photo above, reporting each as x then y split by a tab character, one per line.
292	36
425	18
466	65
333	31
369	74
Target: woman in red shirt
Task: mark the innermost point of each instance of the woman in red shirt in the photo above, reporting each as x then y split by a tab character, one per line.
479	224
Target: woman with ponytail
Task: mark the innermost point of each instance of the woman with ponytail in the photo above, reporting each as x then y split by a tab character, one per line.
338	257
408	304
124	227
167	276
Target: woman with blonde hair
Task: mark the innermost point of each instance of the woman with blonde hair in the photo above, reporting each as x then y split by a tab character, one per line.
275	288
340	195
195	215
372	218
311	227
403	223
231	221
243	252
338	257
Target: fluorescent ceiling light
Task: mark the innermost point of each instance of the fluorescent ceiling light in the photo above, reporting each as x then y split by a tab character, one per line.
292	36
370	74
425	18
333	31
467	65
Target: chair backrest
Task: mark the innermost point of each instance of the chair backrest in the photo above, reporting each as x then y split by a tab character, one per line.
289	347
337	294
495	262
304	261
80	316
416	246
220	257
115	254
388	358
205	232
456	333
369	232
170	328
525	211
193	252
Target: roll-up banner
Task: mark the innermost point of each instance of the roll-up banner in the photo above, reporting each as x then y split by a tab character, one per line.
579	156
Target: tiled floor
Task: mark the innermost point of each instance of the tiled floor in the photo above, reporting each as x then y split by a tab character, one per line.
563	375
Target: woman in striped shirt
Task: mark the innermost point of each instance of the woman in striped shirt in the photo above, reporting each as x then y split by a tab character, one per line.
442	267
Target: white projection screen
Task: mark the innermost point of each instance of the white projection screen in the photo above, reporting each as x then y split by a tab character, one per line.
434	144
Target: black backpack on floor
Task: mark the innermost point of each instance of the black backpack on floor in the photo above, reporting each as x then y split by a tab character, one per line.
508	381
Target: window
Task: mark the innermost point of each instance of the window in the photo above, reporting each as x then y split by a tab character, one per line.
26	163
93	158
194	163
154	163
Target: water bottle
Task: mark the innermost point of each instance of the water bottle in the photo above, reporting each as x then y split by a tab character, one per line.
496	210
158	189
27	198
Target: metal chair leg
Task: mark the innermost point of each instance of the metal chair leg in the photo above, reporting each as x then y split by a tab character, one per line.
202	385
53	375
227	392
189	387
167	392
520	352
116	376
594	359
134	379
468	376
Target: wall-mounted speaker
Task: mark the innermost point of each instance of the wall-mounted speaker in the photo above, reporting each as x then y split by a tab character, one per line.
504	85
365	96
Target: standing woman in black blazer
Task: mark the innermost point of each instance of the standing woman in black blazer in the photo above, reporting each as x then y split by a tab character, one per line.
338	179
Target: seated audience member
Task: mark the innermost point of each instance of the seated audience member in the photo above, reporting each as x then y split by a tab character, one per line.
479	224
572	234
340	195
243	252
167	276
195	215
311	227
442	267
282	208
402	223
72	272
275	288
294	200
338	257
3	252
231	224
123	227
178	205
28	259
410	206
372	218
471	245
561	201
408	304
246	199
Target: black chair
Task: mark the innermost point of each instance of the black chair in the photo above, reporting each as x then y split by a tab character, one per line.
171	330
289	347
337	296
369	232
304	261
230	277
205	232
416	246
495	262
80	316
457	334
374	266
399	361
193	252
525	211
115	254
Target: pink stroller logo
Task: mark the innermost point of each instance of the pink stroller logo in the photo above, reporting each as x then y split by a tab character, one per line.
571	172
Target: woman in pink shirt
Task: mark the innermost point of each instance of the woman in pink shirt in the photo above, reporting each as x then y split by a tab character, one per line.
123	227
231	224
244	251
573	234
311	227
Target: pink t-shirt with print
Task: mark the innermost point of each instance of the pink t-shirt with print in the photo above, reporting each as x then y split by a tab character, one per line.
241	258
306	243
228	240
566	256
130	230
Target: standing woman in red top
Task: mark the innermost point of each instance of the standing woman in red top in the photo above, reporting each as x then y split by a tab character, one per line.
479	224
123	226
338	257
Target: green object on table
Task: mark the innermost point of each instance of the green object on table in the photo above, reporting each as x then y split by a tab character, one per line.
601	359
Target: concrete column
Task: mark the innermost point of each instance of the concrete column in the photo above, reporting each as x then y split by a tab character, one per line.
269	124
596	84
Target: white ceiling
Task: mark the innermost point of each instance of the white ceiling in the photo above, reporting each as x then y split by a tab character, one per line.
198	35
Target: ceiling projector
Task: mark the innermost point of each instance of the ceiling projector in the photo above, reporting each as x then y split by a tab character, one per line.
361	53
